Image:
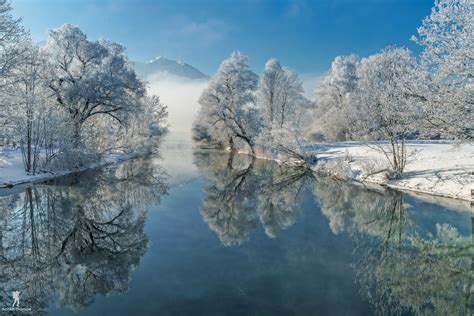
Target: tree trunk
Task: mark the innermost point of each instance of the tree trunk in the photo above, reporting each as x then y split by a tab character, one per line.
232	153
252	149
282	115
76	136
28	142
27	152
271	109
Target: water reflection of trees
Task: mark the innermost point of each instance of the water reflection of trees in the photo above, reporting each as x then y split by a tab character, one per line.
78	237
241	191
403	268
431	275
355	209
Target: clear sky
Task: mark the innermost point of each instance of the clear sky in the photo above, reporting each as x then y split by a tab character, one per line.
304	35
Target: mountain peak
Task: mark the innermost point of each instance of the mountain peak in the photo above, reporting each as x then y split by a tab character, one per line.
161	65
157	58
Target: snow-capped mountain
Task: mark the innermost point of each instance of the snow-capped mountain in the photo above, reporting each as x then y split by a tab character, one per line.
164	66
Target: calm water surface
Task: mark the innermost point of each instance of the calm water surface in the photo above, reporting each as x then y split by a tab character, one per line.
193	233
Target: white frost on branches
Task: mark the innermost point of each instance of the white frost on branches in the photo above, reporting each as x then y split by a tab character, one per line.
448	38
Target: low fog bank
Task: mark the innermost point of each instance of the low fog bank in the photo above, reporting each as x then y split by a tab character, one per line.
181	96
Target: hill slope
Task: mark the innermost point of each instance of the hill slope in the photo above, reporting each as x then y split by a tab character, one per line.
165	66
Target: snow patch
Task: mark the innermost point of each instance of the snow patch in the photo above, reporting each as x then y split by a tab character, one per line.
12	171
437	167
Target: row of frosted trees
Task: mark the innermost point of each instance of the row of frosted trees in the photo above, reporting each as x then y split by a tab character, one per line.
72	100
244	112
390	96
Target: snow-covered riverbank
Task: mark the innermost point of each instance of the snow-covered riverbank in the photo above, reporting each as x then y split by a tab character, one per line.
437	168
12	171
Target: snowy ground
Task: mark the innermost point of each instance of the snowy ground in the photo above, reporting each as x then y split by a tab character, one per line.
13	173
437	168
175	146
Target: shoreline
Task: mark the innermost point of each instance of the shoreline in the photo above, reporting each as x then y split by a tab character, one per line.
418	191
446	185
460	202
447	201
419	178
436	168
46	176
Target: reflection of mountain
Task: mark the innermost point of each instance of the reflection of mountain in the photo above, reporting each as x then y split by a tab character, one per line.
165	67
73	240
241	192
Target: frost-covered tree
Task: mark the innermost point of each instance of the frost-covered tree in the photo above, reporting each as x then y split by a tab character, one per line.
12	34
68	102
144	129
284	108
34	125
90	78
280	95
269	89
384	106
227	114
333	114
28	101
448	38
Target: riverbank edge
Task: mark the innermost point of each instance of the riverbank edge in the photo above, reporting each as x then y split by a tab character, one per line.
409	189
43	177
4	186
383	183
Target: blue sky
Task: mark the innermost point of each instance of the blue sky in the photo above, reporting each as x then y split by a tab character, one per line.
304	35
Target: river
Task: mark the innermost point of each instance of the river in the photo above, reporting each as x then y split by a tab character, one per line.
190	232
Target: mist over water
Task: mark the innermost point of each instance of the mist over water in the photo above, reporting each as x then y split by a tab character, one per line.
181	95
